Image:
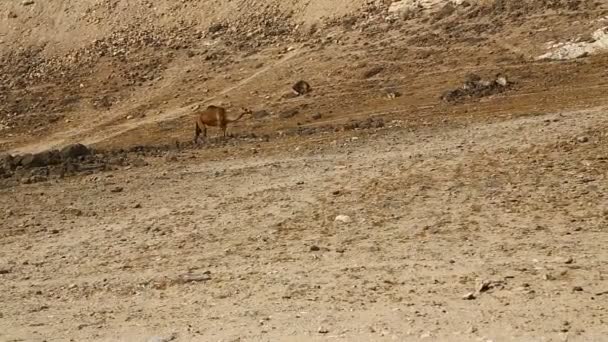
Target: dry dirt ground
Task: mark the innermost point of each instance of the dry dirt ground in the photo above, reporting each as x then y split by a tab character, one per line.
368	210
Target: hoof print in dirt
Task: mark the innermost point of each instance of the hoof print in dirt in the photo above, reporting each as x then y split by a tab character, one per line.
475	87
301	88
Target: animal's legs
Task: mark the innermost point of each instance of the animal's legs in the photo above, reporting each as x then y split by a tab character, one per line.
197	132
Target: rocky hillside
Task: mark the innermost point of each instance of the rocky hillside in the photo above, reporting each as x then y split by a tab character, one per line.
68	67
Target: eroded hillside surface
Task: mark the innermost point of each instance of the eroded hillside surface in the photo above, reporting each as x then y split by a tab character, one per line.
443	179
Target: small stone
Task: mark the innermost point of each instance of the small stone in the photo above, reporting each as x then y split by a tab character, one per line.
373	71
169	338
577	289
5	271
343	219
301	88
171	157
137	206
469	296
72	211
502	81
426	335
323	330
139	162
288	113
195	278
568	260
27	2
117	189
582	139
260	114
316	116
314	248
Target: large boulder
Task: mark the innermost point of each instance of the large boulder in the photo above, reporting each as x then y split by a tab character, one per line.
74	151
40	159
7	162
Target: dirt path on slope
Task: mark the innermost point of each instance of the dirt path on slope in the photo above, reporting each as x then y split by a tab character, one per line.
100	131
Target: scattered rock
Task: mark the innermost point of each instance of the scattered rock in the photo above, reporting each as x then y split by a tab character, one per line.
72	211
486	285
116	189
476	87
301	88
316	116
41	159
577	289
27	2
5	271
139	162
169	338
373	71
343	219
288	113
391	95
323	330
426	335
469	296
573	50
171	157
195	278
314	248
582	139
137	206
216	28
568	260
74	151
260	114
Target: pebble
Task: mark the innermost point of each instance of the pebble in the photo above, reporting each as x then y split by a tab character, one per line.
314	248
162	338
343	219
469	296
170	157
323	330
117	189
577	289
582	139
73	211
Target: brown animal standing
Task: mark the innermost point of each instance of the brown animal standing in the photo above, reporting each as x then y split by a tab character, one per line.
214	116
